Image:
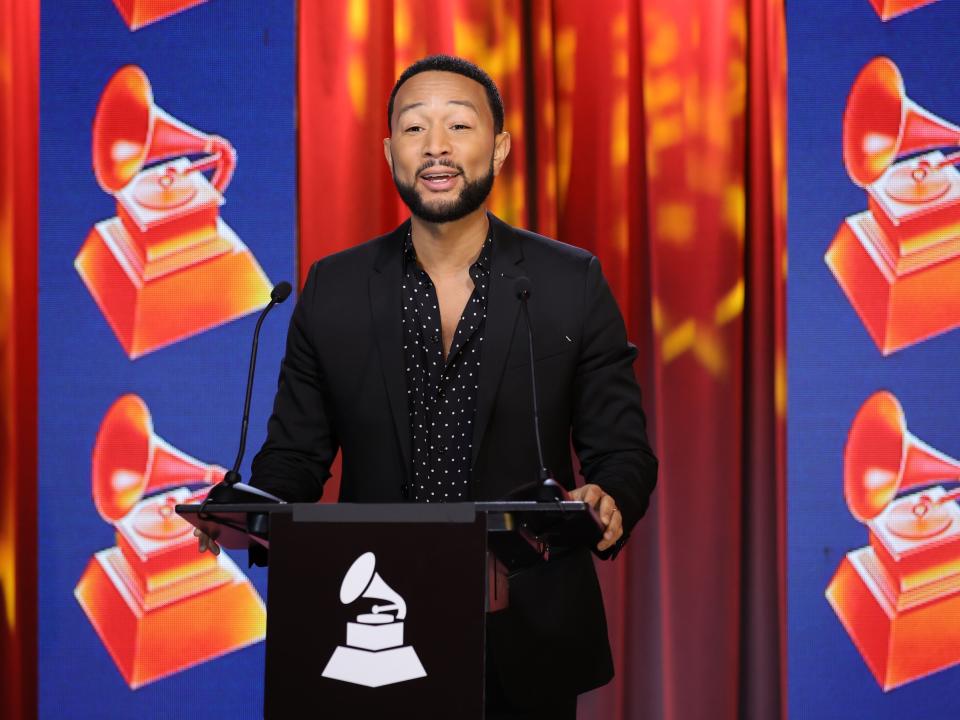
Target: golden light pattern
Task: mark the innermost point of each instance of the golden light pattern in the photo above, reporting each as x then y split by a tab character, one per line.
702	340
566	47
8	561
730	305
777	108
675	222
489	35
358	16
695	139
19	87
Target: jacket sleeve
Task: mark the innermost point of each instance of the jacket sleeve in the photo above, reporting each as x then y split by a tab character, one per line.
609	427
301	444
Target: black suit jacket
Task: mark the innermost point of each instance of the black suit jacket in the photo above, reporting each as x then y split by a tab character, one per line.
342	386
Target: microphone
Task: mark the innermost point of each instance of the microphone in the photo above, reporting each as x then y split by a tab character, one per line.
548	489
221	492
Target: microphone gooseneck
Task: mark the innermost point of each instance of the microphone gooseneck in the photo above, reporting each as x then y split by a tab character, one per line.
279	293
523	288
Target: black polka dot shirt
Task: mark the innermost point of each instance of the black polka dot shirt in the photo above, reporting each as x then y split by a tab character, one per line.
441	395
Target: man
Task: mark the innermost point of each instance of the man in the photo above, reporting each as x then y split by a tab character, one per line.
409	355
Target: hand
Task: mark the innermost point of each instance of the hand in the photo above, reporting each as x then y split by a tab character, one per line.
206	542
607	509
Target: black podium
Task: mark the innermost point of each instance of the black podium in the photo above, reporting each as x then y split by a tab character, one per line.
379	610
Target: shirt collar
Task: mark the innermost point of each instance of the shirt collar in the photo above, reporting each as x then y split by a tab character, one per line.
410	253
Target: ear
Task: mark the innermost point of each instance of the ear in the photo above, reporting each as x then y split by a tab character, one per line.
387	154
501	148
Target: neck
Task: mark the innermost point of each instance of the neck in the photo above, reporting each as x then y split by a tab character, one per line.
452	246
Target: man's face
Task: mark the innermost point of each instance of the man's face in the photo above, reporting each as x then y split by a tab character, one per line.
442	150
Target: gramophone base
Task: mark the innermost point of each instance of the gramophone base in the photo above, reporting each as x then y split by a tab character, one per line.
149	313
897	309
137	13
374	669
897	646
887	9
149	644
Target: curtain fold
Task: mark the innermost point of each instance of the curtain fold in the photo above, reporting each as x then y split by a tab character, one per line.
19	79
763	683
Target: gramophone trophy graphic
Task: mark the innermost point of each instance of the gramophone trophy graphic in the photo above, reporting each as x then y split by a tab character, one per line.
167	266
899	261
899	597
374	654
151	597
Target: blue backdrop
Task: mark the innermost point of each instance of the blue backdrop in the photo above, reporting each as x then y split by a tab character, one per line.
225	67
834	366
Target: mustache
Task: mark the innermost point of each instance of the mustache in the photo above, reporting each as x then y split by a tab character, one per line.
438	163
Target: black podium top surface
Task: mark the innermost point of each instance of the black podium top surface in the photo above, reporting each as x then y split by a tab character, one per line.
235	525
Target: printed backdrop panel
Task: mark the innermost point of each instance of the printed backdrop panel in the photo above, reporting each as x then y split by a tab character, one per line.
167	203
873	317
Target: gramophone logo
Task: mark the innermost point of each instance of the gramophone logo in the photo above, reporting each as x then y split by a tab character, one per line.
166	266
149	597
374	654
899	596
898	261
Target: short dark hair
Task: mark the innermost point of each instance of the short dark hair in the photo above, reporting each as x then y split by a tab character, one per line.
453	64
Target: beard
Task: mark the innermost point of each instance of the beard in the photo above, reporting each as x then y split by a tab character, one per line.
471	196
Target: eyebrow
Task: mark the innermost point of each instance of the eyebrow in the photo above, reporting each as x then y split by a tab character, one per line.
465	103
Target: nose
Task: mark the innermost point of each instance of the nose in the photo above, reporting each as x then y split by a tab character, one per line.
437	143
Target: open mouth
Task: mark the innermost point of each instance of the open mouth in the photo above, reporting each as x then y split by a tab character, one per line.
439	180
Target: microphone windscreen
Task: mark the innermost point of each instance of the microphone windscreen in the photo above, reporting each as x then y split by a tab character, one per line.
281	292
522	287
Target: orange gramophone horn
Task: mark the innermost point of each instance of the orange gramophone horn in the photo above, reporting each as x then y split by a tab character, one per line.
882	458
129	131
881	123
130	460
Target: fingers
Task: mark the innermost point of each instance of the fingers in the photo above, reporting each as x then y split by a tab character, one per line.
205	542
612	521
589	493
606	508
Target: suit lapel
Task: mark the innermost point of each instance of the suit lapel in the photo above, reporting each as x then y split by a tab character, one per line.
503	309
385	302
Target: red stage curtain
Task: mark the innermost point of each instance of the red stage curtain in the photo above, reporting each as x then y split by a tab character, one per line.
19	79
651	133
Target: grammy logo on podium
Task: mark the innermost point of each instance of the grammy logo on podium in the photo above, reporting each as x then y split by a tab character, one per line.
899	597
374	654
151	596
167	266
899	261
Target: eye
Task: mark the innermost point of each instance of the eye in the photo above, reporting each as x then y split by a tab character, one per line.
413	129
460	126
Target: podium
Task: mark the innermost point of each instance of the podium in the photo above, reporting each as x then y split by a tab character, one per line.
379	610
